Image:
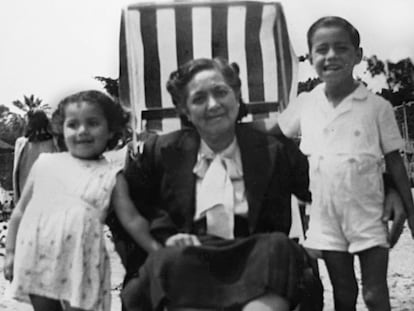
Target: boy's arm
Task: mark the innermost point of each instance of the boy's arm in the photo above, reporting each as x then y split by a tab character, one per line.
133	222
396	168
268	125
394	212
287	123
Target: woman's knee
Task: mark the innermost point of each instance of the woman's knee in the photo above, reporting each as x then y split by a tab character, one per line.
128	296
268	302
41	303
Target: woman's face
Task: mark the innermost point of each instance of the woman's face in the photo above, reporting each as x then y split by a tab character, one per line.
211	104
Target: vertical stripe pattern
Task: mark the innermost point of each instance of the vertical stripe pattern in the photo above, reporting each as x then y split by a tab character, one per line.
151	63
254	62
135	59
268	50
201	17
236	27
167	50
184	34
219	25
161	37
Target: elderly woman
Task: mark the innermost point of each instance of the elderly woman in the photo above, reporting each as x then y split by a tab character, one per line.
218	196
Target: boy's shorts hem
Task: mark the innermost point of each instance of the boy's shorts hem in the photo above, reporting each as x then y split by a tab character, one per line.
351	248
354	249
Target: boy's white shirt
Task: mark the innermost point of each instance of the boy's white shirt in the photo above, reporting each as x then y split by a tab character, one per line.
344	146
311	115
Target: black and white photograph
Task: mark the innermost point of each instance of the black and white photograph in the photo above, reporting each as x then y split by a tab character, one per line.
207	155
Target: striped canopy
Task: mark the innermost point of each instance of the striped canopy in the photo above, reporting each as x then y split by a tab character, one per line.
157	37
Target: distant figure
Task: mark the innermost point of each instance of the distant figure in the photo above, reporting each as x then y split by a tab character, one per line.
55	247
37	139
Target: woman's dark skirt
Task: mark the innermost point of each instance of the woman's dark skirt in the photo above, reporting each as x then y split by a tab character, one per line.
219	274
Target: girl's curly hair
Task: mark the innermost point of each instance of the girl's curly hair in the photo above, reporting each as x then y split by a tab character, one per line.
115	115
177	83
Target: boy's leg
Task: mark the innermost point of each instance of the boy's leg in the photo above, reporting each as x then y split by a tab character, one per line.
374	264
40	303
340	266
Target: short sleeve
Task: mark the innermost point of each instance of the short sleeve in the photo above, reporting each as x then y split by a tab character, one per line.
390	137
289	119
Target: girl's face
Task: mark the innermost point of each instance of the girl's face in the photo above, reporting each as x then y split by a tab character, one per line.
211	105
333	55
85	130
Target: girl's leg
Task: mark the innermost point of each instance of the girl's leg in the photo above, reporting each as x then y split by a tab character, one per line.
374	263
340	266
40	303
269	302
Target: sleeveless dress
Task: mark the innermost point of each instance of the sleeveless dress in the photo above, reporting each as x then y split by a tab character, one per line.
60	247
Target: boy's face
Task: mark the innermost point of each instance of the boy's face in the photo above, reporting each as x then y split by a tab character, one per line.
333	55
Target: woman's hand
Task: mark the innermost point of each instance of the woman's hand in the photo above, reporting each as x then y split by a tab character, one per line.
8	266
183	239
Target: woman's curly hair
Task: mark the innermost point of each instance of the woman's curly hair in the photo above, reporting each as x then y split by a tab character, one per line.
115	115
177	83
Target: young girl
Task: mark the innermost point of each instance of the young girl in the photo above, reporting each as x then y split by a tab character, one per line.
55	250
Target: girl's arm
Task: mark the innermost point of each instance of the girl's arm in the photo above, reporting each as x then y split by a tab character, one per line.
133	222
13	227
396	168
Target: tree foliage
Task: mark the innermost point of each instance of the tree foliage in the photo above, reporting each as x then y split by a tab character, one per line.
110	85
11	125
308	85
399	77
30	103
399	91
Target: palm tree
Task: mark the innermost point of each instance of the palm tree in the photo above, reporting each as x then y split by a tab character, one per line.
11	124
110	85
30	103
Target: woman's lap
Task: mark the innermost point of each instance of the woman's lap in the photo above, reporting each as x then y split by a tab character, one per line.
221	273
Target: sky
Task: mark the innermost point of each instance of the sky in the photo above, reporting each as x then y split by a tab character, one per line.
51	48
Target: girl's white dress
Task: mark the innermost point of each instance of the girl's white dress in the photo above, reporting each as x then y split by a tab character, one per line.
60	247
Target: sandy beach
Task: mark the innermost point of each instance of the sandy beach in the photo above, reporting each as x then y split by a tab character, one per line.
400	280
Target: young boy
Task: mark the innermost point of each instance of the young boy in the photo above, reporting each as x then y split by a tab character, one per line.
345	131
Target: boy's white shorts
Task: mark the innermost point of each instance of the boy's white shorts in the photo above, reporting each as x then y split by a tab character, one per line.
346	211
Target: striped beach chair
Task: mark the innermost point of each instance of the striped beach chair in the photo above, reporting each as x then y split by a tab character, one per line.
158	37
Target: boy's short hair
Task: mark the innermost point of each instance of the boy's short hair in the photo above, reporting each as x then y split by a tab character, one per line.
334	21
